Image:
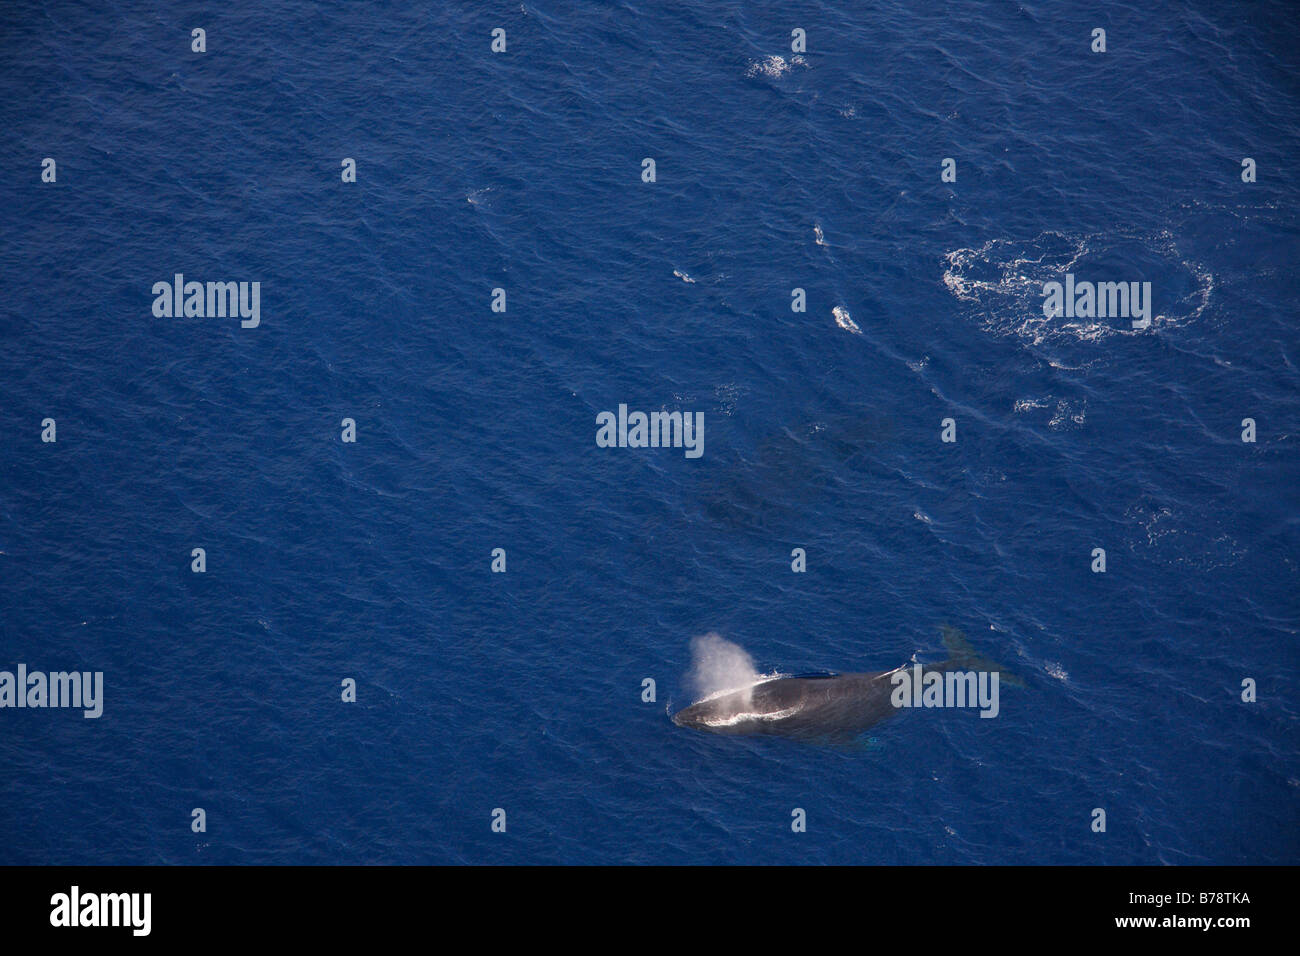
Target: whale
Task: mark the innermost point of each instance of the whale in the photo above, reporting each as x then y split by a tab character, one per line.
825	706
797	470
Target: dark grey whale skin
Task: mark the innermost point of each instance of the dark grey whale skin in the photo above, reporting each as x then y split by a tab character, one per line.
839	706
830	707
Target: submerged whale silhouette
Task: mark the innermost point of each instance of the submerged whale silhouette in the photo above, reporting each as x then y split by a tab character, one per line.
797	470
822	706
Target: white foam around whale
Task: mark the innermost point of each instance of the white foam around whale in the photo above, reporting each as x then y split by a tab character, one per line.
731	720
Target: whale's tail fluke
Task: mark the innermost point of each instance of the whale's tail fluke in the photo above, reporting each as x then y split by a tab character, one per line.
965	657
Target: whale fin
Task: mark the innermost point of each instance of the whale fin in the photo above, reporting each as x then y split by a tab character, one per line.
965	657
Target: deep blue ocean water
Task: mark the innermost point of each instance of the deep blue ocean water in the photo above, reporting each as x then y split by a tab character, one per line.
476	430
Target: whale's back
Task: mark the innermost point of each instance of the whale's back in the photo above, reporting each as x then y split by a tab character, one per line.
807	706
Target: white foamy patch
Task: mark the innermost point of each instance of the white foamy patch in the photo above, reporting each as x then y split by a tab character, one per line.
1056	670
1007	279
1068	414
727	395
1004	278
730	720
817	231
774	66
479	196
683	276
1025	404
1170	540
844	320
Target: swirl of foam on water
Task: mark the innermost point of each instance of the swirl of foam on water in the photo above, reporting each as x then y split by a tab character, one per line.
1005	278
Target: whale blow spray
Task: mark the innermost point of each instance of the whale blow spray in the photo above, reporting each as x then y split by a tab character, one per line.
718	665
